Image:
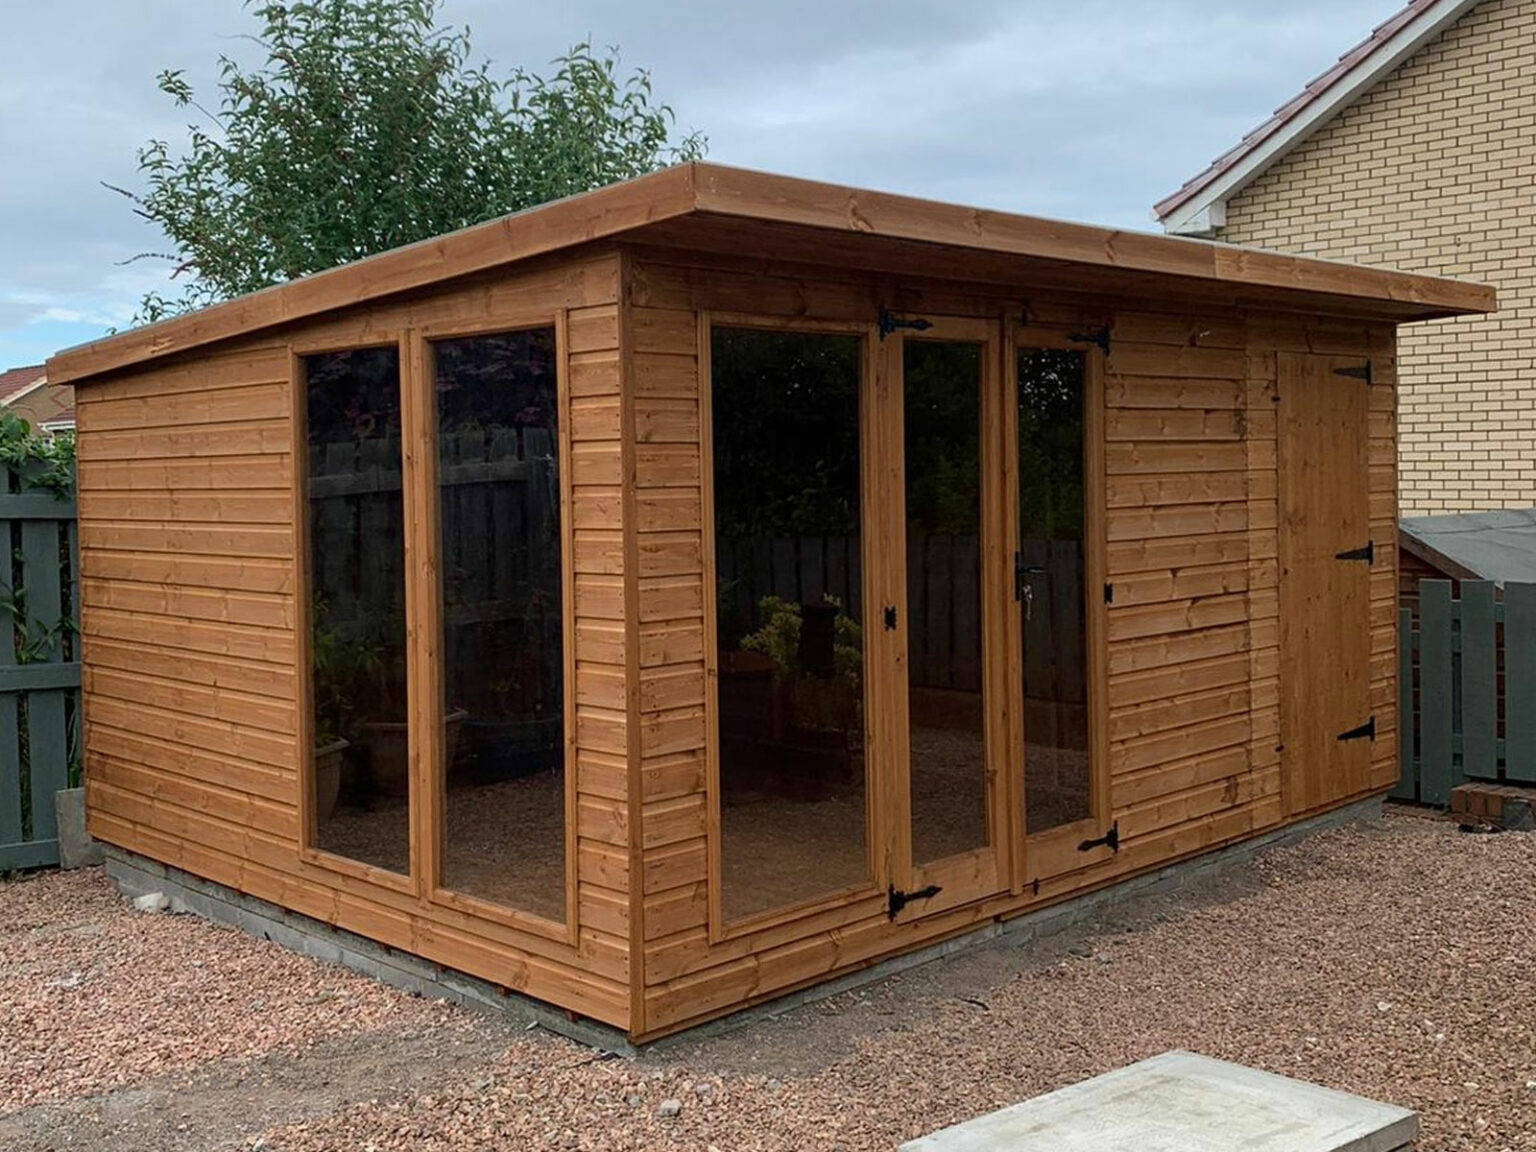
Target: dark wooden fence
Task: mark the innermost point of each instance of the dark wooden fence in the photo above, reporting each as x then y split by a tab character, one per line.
500	556
943	602
1466	688
39	672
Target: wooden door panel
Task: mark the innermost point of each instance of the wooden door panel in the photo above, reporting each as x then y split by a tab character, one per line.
1324	600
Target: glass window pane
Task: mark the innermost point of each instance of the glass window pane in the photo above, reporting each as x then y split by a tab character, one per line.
789	611
1054	616
498	474
357	590
941	382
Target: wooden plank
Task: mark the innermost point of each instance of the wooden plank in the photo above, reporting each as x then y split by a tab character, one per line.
1519	682
1437	773
1479	682
215	473
39	677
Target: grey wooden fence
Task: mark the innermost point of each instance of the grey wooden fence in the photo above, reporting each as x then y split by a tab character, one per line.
39	672
1466	688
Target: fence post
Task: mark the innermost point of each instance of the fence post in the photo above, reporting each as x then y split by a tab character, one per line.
1479	683
1520	683
1408	775
1437	774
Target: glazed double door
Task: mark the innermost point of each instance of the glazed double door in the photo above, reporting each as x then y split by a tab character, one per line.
982	646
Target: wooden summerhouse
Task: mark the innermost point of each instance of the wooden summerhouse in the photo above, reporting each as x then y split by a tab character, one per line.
687	592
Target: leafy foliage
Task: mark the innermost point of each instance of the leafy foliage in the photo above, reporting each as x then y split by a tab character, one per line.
37	461
368	128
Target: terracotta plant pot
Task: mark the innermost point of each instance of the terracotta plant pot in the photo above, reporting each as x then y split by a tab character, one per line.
328	760
388	749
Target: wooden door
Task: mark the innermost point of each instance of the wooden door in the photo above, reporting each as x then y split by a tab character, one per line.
1326	727
949	819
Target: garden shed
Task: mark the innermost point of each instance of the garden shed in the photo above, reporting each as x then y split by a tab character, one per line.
690	591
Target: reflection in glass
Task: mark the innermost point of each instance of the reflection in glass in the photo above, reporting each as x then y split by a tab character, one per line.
498	476
941	383
357	586
788	616
1054	613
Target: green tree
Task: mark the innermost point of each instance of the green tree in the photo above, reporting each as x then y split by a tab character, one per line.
368	128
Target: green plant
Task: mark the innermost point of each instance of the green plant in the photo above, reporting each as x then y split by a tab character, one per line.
368	128
778	637
346	678
37	462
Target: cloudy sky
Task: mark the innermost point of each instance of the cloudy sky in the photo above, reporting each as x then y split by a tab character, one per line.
1088	110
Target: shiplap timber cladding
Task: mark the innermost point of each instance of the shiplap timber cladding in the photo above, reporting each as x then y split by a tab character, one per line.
194	602
190	611
1192	550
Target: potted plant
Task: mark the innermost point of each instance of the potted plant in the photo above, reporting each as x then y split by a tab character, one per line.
343	670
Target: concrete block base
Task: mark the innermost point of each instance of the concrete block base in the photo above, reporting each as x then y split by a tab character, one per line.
1181	1102
137	876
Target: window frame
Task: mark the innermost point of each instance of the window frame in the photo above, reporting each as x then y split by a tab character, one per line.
873	889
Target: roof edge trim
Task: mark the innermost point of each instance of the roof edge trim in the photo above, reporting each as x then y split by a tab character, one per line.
576	219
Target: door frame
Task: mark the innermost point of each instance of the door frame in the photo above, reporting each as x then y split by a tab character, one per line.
1056	852
974	875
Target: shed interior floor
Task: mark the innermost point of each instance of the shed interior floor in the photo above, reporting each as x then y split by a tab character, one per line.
504	841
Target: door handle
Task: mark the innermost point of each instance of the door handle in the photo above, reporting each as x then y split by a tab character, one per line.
1021	574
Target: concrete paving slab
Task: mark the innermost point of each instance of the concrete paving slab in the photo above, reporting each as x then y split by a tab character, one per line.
1184	1102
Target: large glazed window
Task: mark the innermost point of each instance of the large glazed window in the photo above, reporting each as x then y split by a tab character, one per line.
1053	576
360	777
789	608
498	477
941	383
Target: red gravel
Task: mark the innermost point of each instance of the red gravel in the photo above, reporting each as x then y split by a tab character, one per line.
1396	961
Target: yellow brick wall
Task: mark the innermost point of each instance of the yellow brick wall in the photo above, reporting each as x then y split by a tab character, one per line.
1434	170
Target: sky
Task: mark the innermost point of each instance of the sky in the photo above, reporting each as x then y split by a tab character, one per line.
1089	110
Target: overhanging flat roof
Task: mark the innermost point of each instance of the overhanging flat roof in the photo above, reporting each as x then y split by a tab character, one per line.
1499	545
711	202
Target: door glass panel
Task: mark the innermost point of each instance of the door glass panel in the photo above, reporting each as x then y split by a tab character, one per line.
942	419
1053	614
498	488
789	610
361	775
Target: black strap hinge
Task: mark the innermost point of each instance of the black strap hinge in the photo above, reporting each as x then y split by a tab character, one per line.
889	323
890	617
897	900
1366	731
1110	840
1356	372
1366	553
1097	336
1109	593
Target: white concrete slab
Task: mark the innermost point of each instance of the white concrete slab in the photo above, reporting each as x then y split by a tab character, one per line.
1183	1102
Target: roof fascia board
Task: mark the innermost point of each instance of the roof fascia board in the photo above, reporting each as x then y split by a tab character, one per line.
579	219
788	200
1190	218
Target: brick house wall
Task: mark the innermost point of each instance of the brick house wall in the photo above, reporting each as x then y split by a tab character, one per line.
1434	170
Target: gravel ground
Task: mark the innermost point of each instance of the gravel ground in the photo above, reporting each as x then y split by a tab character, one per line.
94	995
1394	961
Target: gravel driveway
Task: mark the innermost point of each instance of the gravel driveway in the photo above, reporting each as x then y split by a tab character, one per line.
1397	961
